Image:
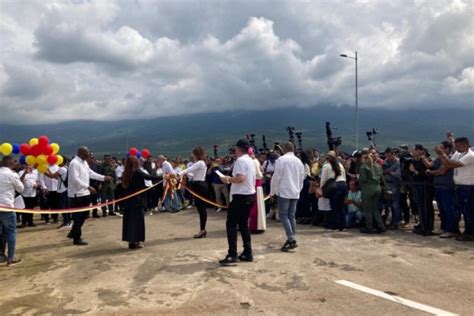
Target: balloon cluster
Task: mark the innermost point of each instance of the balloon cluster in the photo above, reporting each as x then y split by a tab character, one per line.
39	152
134	152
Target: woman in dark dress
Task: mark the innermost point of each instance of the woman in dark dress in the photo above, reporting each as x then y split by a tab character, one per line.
133	180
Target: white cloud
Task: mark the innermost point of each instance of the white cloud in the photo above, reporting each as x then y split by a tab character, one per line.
121	59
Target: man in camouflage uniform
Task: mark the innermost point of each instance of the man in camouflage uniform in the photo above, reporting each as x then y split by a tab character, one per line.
108	188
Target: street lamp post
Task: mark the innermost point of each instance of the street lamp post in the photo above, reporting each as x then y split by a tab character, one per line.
356	99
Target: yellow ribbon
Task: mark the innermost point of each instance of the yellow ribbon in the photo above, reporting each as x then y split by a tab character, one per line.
75	210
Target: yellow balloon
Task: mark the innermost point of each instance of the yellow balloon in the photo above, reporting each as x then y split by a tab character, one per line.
33	141
30	160
42	160
42	168
55	148
6	149
60	160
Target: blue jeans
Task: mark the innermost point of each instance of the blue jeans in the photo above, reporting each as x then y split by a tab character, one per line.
465	195
287	211
395	203
9	231
176	201
445	198
353	218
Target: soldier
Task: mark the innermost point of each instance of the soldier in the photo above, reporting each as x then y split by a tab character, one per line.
108	188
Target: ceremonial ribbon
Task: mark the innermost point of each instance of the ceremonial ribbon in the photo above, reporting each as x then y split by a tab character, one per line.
75	210
209	201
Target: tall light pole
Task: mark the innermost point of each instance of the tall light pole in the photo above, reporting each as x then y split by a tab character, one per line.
356	99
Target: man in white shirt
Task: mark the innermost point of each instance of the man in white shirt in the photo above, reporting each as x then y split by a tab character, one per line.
9	183
49	185
287	183
242	191
79	191
30	179
462	162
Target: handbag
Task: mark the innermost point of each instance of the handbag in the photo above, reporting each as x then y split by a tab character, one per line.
329	188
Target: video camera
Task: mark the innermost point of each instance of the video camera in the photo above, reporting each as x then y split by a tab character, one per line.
333	142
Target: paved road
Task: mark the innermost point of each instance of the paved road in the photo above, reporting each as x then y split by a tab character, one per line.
178	275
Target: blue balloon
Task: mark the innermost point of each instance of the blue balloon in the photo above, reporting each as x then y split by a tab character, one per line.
139	154
128	155
22	160
16	149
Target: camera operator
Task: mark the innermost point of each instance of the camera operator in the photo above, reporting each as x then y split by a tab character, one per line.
421	183
463	163
406	192
392	174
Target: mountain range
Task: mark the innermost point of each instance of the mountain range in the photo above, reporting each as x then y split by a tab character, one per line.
177	135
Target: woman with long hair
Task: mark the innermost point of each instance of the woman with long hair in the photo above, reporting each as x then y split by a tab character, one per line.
333	169
199	185
371	178
303	209
133	180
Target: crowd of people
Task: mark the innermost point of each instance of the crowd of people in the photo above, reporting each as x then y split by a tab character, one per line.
370	190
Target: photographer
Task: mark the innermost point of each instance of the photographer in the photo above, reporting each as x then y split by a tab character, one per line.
463	163
445	193
392	174
421	182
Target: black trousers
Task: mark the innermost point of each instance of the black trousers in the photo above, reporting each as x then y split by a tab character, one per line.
52	203
238	215
201	188
30	203
80	217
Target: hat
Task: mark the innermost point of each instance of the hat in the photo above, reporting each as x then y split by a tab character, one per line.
243	143
332	153
365	151
356	153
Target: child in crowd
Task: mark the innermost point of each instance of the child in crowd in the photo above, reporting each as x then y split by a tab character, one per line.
354	203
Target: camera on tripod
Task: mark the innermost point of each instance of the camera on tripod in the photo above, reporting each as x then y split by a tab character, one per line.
333	142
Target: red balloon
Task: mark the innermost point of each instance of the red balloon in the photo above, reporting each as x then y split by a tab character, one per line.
52	159
35	150
25	149
43	141
133	151
145	153
48	150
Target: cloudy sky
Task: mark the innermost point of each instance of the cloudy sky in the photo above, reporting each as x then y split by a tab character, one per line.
108	60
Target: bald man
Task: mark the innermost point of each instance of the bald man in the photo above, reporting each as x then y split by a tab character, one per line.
79	191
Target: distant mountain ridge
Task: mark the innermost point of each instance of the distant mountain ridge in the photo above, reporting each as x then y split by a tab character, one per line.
178	135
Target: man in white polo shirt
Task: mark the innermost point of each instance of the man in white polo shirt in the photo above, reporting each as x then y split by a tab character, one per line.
287	183
242	191
463	164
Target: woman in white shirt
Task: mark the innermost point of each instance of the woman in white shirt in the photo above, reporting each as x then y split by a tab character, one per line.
31	182
333	169
198	171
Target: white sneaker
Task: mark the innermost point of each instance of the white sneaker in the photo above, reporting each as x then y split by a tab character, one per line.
189	206
218	210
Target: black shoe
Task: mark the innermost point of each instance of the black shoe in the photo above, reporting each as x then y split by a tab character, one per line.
80	242
366	230
173	210
428	233
31	225
286	246
465	238
104	215
245	257
380	231
293	244
70	236
112	214
228	261
95	216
